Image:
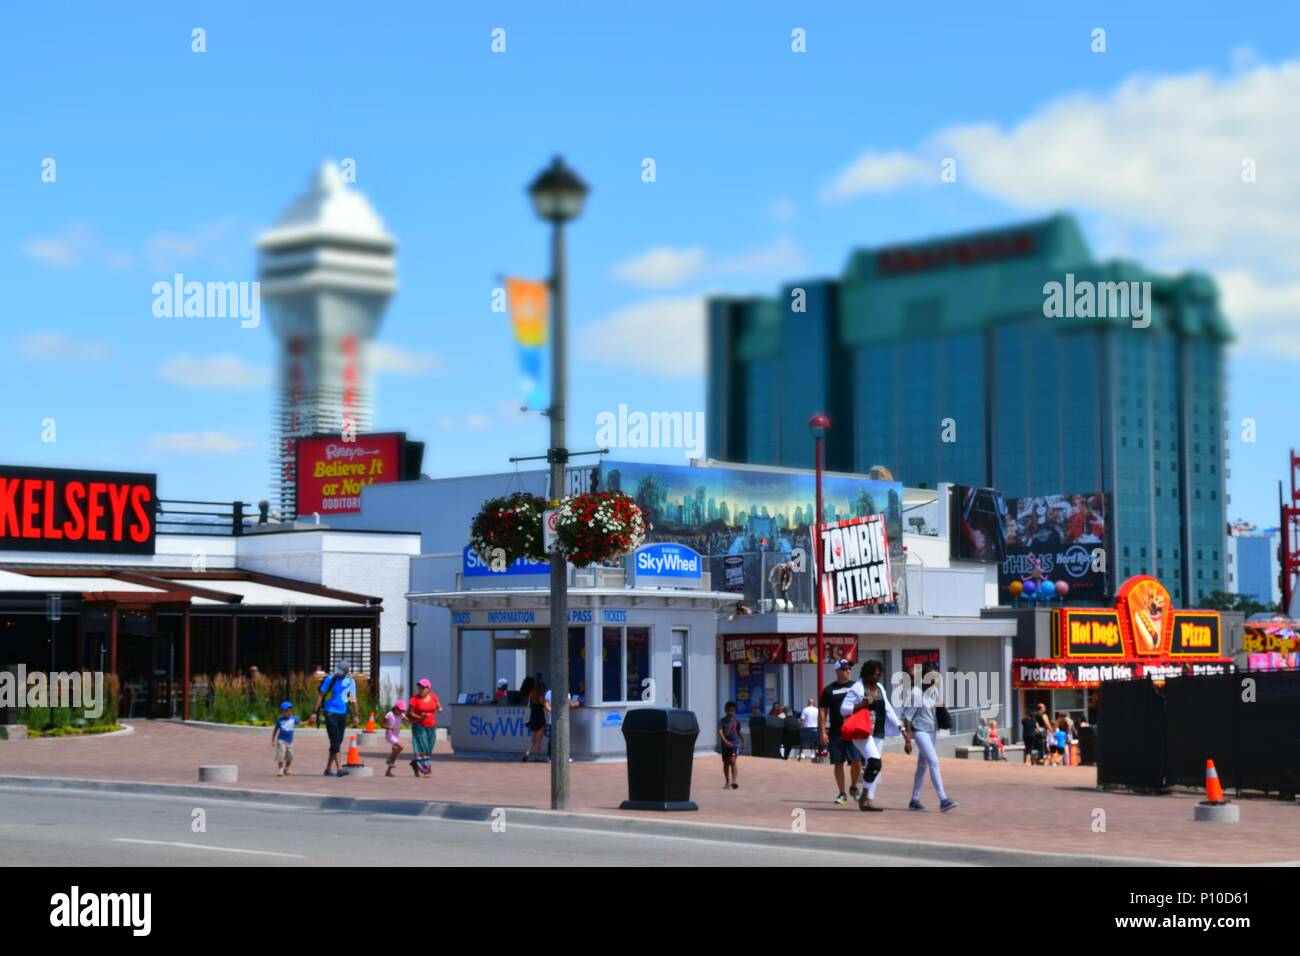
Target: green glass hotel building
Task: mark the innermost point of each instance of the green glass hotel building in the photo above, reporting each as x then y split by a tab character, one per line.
950	361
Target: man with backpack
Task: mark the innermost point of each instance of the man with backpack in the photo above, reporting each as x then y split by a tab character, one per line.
337	695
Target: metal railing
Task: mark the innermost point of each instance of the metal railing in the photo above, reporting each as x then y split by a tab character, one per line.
178	516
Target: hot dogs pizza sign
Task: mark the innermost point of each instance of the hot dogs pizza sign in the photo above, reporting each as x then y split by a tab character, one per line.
1142	626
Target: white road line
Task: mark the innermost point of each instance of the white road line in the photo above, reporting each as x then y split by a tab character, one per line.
204	846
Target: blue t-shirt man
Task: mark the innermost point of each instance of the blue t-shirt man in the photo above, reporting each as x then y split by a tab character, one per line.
337	690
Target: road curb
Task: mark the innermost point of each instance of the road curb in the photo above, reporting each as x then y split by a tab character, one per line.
676	827
301	729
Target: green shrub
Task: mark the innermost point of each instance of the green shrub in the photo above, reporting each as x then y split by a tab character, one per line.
238	699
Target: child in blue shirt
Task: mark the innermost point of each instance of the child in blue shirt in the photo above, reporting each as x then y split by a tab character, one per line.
282	739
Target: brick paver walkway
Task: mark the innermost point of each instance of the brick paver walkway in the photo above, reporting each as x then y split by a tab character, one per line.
1006	805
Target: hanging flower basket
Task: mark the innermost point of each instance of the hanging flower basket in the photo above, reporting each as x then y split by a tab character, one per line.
599	527
513	525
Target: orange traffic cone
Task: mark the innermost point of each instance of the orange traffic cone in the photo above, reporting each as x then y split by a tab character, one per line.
1213	789
370	724
354	754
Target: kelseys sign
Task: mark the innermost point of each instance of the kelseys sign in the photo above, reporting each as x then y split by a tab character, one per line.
331	472
855	564
98	512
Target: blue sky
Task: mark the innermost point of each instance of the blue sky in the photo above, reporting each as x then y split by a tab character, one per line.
770	165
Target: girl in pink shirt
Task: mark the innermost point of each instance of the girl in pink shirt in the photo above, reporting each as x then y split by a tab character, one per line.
393	732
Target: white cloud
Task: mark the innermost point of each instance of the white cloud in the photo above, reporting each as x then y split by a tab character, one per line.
167	250
662	267
1158	161
393	360
780	257
56	345
666	267
473	422
1263	314
199	443
874	172
783	211
677	324
215	371
62	251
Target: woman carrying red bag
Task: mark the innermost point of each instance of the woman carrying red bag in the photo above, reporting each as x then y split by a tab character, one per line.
867	695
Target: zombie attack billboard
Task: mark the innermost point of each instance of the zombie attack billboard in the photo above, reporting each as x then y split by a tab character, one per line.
747	520
855	564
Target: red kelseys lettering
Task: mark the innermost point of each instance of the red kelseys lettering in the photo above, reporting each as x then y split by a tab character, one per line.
95	511
101	512
47	514
139	504
75	526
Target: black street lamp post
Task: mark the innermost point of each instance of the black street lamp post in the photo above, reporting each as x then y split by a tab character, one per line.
558	196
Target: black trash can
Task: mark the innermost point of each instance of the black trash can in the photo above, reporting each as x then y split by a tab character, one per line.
757	735
1087	745
660	753
771	736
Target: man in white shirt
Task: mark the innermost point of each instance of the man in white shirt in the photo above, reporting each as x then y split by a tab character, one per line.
808	723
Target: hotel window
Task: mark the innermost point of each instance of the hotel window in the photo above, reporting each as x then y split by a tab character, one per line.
625	653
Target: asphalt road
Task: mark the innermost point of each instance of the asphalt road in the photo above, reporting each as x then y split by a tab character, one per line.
83	828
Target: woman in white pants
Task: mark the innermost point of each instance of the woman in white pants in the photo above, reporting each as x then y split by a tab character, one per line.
869	693
919	716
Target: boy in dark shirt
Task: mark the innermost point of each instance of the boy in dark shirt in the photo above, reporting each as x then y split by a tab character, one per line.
731	742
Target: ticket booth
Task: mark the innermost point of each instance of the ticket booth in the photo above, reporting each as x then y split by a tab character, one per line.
632	643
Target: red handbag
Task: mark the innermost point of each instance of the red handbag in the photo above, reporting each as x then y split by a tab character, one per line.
857	726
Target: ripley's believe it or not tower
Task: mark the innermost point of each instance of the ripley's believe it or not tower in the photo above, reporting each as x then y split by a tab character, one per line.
327	269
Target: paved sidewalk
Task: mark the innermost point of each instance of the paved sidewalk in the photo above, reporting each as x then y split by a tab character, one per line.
1044	809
